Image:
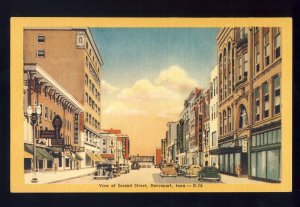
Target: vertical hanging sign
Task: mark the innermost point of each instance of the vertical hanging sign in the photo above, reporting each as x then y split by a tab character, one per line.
76	128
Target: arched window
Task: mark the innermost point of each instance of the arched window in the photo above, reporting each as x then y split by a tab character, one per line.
229	120
220	62
243	121
224	122
224	54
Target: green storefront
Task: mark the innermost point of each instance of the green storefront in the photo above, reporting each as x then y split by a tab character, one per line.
265	153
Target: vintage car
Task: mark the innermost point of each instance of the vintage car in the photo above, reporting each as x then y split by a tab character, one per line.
104	170
135	166
124	168
193	171
183	169
116	170
168	170
209	173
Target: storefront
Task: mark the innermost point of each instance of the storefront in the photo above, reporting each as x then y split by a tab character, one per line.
229	158
265	155
44	159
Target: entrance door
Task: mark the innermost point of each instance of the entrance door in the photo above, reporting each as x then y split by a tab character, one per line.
244	164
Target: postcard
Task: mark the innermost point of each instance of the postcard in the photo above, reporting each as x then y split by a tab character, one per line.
151	105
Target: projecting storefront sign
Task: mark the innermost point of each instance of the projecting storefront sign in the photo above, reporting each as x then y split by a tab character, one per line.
57	142
47	134
244	146
57	124
76	128
124	147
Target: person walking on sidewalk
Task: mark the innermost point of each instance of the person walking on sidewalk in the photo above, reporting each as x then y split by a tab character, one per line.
238	171
55	167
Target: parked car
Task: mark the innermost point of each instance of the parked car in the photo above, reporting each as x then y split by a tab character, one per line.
209	173
183	169
124	168
104	170
135	166
168	170
193	171
116	170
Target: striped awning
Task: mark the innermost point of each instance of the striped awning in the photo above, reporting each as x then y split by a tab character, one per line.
100	158
78	157
41	153
27	154
93	157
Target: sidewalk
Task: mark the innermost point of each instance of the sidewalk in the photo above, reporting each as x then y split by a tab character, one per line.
235	180
52	177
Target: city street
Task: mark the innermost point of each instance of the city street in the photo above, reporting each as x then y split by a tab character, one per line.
151	175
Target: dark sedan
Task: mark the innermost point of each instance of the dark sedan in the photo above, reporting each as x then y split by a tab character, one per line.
209	173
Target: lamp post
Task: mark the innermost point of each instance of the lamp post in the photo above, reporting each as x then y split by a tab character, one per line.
34	116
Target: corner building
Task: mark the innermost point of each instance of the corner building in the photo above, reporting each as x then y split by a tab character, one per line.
249	61
71	57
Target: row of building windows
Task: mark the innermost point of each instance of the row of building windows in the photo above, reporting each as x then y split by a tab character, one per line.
226	84
92	103
92	57
266	99
92	88
268	137
92	121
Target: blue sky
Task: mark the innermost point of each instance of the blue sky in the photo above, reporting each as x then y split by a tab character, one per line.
130	54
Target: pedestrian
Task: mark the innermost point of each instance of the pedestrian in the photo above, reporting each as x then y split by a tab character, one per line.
77	165
238	171
55	167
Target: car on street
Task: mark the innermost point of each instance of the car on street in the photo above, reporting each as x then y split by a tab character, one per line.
135	166
183	169
116	170
124	168
193	171
168	170
104	170
209	173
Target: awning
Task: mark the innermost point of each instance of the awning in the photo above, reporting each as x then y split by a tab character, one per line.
78	157
100	158
27	154
29	149
41	153
93	157
71	157
45	153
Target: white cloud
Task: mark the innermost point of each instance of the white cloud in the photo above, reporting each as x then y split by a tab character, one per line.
120	109
144	90
176	78
107	88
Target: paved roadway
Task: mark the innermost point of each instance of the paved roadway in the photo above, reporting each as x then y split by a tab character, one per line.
141	176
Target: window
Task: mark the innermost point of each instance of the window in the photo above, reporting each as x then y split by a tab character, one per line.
86	79
240	68
266	99
87	97
111	142
214	139
277	42
104	142
276	83
229	120
224	122
257	104
242	32
103	150
245	65
86	117
90	101
267	49
41	38
90	119
221	124
51	115
41	53
256	50
46	112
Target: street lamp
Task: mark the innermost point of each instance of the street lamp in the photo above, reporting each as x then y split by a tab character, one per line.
34	116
